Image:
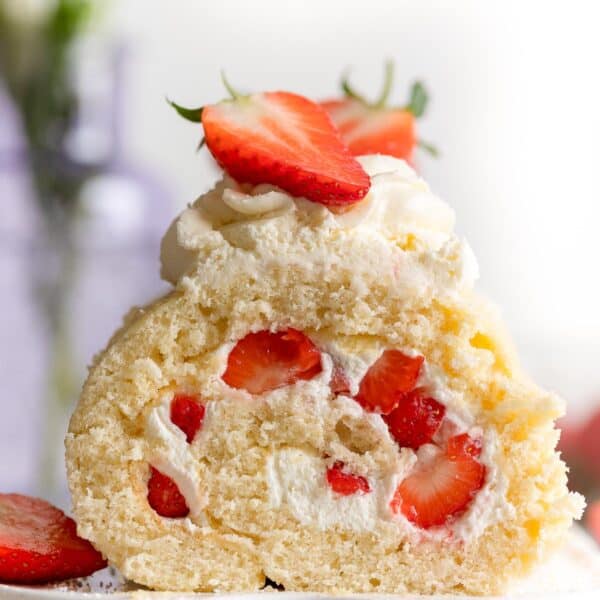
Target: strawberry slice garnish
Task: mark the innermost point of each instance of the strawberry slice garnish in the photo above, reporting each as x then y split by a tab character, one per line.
283	139
39	543
264	361
345	483
415	420
369	130
442	483
164	496
375	128
187	413
389	378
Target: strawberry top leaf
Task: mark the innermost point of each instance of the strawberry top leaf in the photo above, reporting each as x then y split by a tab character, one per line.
418	99
429	148
418	93
350	92
191	114
195	114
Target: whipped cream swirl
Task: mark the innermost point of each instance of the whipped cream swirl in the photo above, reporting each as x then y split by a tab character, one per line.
399	205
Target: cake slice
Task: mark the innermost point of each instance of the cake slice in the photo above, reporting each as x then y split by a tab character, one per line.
322	400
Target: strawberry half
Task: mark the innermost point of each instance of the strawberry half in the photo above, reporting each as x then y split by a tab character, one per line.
388	379
164	496
375	128
264	361
368	130
39	543
345	483
187	413
415	420
283	139
441	485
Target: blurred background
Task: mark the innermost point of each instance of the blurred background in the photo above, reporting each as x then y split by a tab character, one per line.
94	165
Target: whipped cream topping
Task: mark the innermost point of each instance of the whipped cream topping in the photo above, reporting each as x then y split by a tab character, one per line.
399	201
399	204
296	477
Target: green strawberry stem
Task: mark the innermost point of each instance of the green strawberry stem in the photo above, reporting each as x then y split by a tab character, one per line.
418	94
350	92
235	95
388	80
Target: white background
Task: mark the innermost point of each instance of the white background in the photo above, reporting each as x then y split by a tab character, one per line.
515	111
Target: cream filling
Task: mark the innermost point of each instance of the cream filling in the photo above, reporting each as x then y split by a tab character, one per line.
296	478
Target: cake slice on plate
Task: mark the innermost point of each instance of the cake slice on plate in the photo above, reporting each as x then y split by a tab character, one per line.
322	399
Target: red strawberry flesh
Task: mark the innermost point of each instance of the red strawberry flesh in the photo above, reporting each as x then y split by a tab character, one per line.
441	486
187	413
164	496
388	380
370	130
264	361
285	140
463	444
415	420
592	519
345	483
39	543
339	383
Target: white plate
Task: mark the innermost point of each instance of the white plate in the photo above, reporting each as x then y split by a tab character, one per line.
572	574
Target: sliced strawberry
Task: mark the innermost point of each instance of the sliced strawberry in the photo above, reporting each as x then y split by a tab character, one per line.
164	496
347	114
388	379
368	130
441	485
285	140
345	483
415	420
339	383
187	413
375	128
39	543
264	361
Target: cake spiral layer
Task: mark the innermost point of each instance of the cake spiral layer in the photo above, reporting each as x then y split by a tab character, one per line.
322	400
